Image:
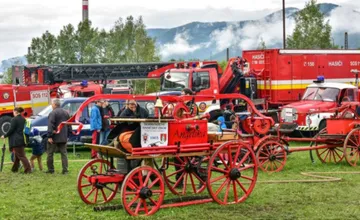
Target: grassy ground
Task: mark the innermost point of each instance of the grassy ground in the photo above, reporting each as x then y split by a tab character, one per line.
43	196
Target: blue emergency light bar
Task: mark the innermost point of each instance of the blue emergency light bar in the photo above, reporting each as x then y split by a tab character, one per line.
84	83
319	79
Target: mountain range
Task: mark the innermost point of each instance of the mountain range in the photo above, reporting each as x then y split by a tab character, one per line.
209	40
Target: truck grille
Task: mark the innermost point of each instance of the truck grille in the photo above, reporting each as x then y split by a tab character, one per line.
288	115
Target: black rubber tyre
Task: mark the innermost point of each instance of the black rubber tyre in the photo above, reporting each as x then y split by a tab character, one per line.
322	125
4	124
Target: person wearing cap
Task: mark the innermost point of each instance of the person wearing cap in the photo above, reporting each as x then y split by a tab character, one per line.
96	124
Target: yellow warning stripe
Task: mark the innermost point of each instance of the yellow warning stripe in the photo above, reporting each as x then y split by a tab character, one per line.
283	87
35	105
306	128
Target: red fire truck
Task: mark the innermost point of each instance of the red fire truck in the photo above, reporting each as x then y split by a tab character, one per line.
284	74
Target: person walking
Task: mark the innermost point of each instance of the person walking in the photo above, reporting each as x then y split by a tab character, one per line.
57	141
17	140
95	125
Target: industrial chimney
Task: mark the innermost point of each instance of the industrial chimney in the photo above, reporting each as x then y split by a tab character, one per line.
85	9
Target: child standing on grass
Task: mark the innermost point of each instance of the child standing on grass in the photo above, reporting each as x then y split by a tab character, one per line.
37	151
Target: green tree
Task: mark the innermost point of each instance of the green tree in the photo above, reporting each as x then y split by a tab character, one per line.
124	43
85	38
311	30
66	43
44	50
7	77
223	64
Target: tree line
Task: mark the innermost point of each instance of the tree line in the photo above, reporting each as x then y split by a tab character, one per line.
125	42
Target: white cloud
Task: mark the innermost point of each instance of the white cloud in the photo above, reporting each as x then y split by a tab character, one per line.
224	38
180	46
344	19
249	36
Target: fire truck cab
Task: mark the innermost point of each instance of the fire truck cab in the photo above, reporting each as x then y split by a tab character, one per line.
319	96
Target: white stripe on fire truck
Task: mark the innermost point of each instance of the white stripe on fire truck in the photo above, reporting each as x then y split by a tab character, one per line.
297	84
319	51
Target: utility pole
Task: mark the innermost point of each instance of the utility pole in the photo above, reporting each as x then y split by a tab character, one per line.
284	31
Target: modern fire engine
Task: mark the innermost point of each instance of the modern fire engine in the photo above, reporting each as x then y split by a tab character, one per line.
284	74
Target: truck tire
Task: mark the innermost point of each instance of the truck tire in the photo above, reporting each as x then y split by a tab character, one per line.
4	124
322	125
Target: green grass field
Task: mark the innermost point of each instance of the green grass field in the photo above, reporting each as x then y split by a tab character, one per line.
44	196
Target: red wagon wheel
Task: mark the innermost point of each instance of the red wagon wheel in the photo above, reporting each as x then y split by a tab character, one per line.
142	191
333	153
352	147
232	173
186	173
94	193
271	156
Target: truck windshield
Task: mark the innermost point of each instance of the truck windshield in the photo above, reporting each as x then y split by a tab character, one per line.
321	94
46	111
175	81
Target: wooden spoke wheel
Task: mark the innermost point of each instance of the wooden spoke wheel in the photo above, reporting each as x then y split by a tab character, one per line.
186	174
95	193
271	156
142	191
333	152
352	147
232	173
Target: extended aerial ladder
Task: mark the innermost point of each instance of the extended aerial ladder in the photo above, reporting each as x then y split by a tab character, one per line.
52	74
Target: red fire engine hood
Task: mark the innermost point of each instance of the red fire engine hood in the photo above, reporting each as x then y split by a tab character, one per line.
305	106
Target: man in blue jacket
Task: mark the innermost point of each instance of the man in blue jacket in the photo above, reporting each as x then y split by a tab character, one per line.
96	124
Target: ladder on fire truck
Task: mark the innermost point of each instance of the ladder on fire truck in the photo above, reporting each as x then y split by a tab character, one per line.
104	72
266	92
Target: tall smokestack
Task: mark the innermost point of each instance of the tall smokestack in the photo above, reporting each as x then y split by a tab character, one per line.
85	9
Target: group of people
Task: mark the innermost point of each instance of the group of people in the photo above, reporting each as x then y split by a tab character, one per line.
56	140
99	123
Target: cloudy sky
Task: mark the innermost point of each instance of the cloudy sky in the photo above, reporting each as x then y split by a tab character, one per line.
21	20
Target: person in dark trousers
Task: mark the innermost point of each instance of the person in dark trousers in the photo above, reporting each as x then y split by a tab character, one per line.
96	124
17	140
106	113
57	141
